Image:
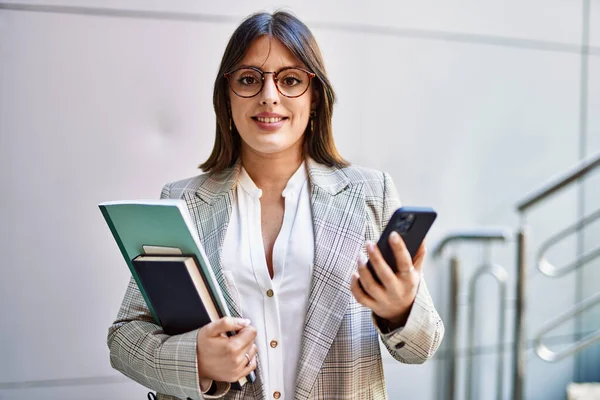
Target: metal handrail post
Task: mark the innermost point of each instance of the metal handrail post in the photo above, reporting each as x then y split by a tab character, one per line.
479	236
453	339
500	276
520	312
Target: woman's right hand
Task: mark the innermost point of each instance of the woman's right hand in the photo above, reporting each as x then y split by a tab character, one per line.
223	358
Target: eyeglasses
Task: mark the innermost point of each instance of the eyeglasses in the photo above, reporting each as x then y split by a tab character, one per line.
247	82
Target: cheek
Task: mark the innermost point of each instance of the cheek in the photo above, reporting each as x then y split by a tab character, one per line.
238	110
302	114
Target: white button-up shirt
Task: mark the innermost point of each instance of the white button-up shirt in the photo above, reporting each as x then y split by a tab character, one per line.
276	307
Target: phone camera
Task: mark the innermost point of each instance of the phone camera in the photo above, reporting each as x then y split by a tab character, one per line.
406	221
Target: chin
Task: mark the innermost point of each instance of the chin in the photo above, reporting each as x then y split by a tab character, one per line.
275	149
275	146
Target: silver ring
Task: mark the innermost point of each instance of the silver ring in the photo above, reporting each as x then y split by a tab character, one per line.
248	357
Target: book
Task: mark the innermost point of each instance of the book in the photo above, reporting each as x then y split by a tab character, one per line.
169	282
163	228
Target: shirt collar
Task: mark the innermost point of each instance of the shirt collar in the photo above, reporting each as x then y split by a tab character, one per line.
248	184
296	182
293	186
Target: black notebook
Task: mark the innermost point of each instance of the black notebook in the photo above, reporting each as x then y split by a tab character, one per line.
177	292
179	295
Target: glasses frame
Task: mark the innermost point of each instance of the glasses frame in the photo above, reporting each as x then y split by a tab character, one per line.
227	75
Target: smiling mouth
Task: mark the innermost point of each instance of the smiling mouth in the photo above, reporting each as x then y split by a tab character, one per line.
269	120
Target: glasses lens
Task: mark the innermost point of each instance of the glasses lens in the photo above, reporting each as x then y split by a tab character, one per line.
245	82
292	82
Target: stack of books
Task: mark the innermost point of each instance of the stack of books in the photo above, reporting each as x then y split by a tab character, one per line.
160	245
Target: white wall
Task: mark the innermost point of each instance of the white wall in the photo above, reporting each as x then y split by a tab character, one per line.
469	105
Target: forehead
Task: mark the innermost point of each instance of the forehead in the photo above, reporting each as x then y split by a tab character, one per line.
269	54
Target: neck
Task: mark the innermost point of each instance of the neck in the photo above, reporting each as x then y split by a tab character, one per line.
271	172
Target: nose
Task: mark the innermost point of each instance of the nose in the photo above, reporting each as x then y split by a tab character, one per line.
269	93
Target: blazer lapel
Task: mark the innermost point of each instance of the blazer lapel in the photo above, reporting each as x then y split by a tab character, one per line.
338	207
210	206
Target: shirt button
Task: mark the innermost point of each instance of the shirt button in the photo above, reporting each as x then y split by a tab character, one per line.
273	345
276	395
270	293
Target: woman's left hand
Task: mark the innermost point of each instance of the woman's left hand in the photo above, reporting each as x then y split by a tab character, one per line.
393	298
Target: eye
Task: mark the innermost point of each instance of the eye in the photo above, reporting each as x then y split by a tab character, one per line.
291	80
248	80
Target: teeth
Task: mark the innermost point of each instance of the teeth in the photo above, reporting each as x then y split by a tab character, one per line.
268	120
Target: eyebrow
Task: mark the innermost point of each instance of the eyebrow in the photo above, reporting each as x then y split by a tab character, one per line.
259	68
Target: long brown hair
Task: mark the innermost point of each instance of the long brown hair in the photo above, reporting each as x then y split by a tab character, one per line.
296	36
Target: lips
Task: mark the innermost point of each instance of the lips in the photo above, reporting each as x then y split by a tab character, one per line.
270	120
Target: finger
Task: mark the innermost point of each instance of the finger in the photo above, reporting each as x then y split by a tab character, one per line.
403	258
419	257
226	324
245	358
367	281
252	351
249	362
248	368
380	266
359	294
245	337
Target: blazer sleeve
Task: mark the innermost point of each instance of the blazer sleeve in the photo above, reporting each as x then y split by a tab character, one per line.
419	339
142	351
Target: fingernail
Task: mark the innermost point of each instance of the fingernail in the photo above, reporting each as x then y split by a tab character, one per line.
370	246
245	321
394	236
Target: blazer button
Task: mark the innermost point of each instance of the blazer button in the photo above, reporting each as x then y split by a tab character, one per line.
276	395
270	293
274	343
400	345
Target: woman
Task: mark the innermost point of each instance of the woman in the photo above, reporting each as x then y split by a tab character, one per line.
286	223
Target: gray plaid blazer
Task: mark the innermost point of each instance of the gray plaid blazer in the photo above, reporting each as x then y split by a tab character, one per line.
340	355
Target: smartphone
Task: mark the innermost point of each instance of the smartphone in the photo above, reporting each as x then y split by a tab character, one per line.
412	224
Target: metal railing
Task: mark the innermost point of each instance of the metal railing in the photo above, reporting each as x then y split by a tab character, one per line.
552	356
563	181
546	268
500	275
487	237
